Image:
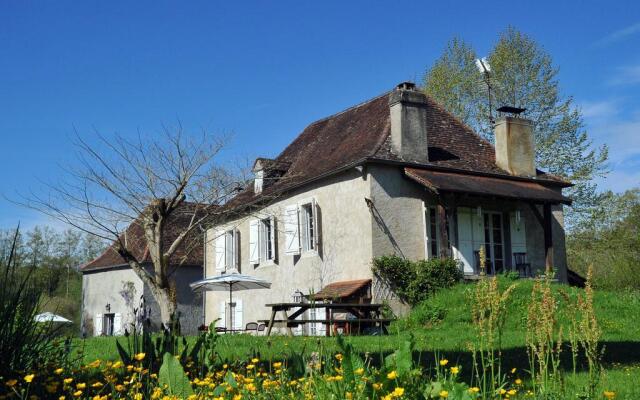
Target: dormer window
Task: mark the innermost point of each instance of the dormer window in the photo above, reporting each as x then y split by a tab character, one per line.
258	181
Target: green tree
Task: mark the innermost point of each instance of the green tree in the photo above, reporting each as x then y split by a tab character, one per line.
523	75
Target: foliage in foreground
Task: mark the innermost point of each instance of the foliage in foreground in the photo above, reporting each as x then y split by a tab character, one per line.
325	373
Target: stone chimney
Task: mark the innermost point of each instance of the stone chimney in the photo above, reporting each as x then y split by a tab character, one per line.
408	108
515	150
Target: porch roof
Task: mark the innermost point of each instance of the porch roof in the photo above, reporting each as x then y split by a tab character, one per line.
341	289
438	181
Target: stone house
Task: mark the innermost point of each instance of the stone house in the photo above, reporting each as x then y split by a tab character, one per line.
396	174
114	298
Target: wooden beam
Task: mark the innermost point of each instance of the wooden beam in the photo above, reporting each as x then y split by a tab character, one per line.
442	226
536	213
548	237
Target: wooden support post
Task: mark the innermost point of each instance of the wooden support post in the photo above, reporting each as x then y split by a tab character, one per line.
548	238
442	227
273	316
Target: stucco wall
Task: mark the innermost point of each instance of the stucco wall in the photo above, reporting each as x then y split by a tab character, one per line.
120	288
345	250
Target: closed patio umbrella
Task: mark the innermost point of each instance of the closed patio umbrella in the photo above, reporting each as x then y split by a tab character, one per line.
231	281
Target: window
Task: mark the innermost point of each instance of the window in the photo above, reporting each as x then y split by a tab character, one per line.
301	227
493	247
433	231
262	240
226	249
308	232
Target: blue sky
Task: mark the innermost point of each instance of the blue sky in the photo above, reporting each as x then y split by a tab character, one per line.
262	71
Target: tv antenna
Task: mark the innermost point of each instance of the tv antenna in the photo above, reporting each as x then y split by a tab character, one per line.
485	70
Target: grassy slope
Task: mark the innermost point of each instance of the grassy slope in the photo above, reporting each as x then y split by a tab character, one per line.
619	316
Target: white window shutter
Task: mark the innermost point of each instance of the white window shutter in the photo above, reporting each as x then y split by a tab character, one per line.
465	249
222	314
316	225
274	243
321	313
237	315
291	230
220	242
97	325
254	241
236	249
117	324
518	235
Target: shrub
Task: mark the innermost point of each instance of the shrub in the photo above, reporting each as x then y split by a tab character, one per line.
24	343
413	281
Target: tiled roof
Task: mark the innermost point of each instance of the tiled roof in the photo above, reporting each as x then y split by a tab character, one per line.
342	289
362	133
190	253
438	181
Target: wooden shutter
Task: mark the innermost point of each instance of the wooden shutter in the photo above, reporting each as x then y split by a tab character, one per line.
274	238
97	325
464	252
237	315
117	324
236	249
291	230
518	235
316	225
220	243
222	314
254	241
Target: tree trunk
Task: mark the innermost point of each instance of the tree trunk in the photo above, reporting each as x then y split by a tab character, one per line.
167	305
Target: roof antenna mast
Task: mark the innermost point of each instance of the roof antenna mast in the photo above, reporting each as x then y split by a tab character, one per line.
485	70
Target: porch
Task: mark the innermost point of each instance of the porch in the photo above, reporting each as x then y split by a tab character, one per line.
516	223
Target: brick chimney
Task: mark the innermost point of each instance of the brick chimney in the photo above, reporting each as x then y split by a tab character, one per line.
408	108
515	150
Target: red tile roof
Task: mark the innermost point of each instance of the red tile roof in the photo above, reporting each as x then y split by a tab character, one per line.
342	289
438	181
362	134
190	253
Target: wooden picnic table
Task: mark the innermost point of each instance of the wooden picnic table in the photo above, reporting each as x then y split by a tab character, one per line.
364	313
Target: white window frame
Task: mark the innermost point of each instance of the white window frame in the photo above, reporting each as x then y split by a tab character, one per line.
305	232
262	241
426	223
226	246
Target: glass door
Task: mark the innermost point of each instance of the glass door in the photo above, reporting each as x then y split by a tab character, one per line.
493	242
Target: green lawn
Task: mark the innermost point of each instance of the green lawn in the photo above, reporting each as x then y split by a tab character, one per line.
450	336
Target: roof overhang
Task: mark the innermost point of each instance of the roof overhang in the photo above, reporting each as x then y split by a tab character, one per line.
449	182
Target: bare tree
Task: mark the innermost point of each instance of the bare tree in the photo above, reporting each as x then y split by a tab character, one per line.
147	184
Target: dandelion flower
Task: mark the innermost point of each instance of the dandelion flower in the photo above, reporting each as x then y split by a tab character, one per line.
277	364
29	378
77	393
444	394
392	375
359	371
255	360
81	386
474	389
397	392
444	362
139	356
609	394
68	380
58	371
518	381
455	370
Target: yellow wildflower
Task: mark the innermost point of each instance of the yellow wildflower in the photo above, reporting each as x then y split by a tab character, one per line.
455	370
11	382
609	394
398	392
250	366
139	356
97	385
444	362
518	381
444	394
29	378
255	360
512	392
339	357
502	391
58	371
81	386
348	395
474	389
77	393
377	386
277	364
68	380
119	388
392	375
359	371
513	371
